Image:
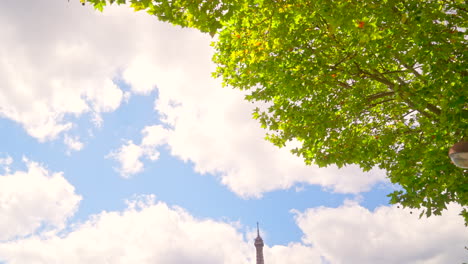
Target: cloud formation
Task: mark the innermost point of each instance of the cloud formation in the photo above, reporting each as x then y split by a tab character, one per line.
145	232
56	64
354	234
130	155
34	198
148	231
73	143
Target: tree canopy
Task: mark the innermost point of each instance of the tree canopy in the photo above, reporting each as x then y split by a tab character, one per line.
372	83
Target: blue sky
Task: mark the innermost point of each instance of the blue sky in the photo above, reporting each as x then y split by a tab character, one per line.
113	120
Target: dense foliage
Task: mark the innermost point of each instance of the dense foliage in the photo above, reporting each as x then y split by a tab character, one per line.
373	83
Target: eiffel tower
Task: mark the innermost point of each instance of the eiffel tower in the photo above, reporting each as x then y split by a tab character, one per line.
259	247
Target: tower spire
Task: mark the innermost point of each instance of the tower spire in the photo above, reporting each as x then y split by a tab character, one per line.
259	247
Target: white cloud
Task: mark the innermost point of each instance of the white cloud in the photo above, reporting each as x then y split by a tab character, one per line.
128	156
353	234
6	161
146	232
141	75
32	199
59	61
296	253
73	143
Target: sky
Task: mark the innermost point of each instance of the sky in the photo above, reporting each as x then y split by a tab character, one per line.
117	146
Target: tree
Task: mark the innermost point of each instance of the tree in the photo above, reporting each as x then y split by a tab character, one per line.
372	83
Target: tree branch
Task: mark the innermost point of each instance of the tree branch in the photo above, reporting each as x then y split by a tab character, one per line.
434	109
411	69
348	57
405	98
390	72
344	85
410	112
424	113
375	77
373	97
381	102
